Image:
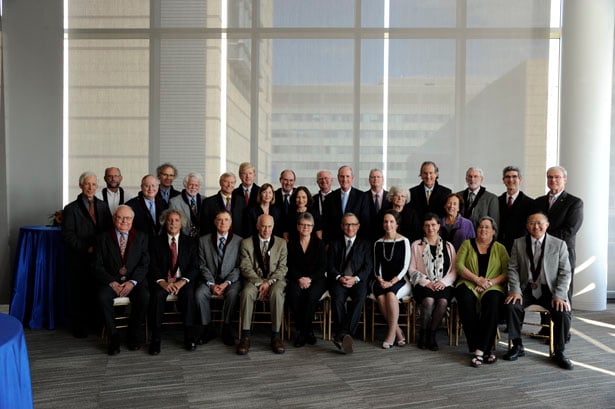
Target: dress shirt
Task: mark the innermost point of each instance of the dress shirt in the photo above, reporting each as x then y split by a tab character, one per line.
178	273
151	206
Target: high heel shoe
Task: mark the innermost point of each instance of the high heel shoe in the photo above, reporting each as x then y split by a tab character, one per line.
401	342
386	345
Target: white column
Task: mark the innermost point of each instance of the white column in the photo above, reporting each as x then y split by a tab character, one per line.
585	112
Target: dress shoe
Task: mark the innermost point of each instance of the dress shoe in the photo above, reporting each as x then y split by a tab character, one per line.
433	345
337	341
244	346
227	336
207	335
114	345
514	353
347	344
154	347
562	361
310	339
299	341
277	345
190	345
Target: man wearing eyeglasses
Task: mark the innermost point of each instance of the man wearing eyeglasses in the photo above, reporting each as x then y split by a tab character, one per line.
166	174
120	264
349	265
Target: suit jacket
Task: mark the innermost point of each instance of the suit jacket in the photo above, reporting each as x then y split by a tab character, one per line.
172	193
319	204
514	219
333	213
193	222
253	194
213	204
375	217
555	265
279	201
485	204
251	262
143	219
252	214
360	259
108	261
210	267
565	219
418	200
160	257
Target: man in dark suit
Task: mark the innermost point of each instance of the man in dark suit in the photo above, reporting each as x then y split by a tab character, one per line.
223	200
376	201
248	190
515	207
324	180
263	269
166	174
349	266
284	193
120	268
346	199
539	273
82	220
478	201
219	272
429	196
148	206
173	271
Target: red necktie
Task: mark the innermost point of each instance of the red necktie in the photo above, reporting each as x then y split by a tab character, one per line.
510	202
122	244
171	275
246	196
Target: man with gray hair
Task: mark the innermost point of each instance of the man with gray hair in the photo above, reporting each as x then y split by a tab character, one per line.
478	202
223	200
189	203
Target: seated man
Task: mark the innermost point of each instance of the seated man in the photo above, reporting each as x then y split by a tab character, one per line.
173	270
349	266
120	267
263	268
219	269
539	273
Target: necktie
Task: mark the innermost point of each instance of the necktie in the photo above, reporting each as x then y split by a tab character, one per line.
551	200
286	202
265	258
165	195
348	246
173	246
344	201
92	210
428	195
265	248
122	244
471	197
246	196
193	206
377	202
510	201
228	203
221	247
152	210
537	292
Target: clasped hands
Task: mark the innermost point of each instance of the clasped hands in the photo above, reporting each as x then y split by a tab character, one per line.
482	284
172	288
122	290
436	285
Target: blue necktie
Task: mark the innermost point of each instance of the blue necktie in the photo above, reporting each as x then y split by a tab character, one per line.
221	247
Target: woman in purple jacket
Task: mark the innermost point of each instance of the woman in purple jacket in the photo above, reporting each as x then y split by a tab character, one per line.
455	228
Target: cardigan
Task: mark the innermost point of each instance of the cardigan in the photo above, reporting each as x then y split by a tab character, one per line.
498	265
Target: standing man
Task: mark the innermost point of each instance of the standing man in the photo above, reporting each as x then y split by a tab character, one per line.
283	194
346	199
376	201
324	180
120	267
82	220
219	271
349	265
223	200
429	196
515	207
166	174
113	194
263	268
148	206
189	203
478	202
248	190
539	273
173	271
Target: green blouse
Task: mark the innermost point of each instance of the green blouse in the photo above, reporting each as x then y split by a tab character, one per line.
498	265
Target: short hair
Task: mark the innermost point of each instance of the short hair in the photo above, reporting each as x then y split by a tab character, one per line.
124	206
350	214
258	220
345	166
328	173
429	216
264	187
288	170
113	167
165	165
560	168
193	175
511	168
245	166
393	213
395	190
147	176
374	170
227	175
165	214
458	196
476	168
426	163
305	216
87	174
221	211
543	214
293	197
491	219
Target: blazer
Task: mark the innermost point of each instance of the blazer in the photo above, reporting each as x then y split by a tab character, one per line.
253	194
210	268
160	257
514	219
279	200
311	263
143	219
319	203
178	203
252	214
213	204
418	200
555	264
565	219
375	217
251	260
172	193
333	213
108	261
485	204
462	230
360	259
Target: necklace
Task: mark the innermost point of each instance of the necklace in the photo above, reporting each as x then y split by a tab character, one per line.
384	253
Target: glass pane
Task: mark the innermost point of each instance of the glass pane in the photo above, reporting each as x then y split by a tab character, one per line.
108	14
314	13
240	13
108	98
506	13
189	13
404	13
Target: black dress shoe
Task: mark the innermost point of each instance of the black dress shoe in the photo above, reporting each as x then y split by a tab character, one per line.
514	353
190	345
154	347
114	345
562	361
337	341
207	335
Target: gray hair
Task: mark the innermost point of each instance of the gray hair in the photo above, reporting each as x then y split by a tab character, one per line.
193	175
511	168
87	174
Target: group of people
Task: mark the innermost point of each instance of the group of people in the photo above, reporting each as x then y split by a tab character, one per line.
251	243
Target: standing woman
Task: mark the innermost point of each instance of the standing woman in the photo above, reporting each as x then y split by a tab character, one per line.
482	265
409	225
265	201
432	272
391	262
300	202
455	227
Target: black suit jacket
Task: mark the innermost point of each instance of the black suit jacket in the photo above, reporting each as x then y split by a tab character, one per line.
333	213
375	217
172	193
253	194
108	261
160	260
213	204
360	258
418	200
143	220
513	220
279	201
565	219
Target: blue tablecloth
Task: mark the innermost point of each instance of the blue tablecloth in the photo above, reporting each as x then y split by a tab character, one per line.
15	383
38	281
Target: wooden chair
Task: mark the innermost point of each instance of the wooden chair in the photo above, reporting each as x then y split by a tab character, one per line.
540	310
362	320
407	316
320	317
261	314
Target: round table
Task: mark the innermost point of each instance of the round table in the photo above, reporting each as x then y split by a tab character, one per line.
15	383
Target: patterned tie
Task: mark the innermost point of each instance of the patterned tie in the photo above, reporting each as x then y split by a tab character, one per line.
471	197
510	202
228	203
193	206
265	258
122	244
221	247
551	200
92	210
348	247
265	248
537	292
171	274
246	196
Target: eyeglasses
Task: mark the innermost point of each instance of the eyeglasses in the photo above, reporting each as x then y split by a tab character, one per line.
302	225
168	175
123	218
346	225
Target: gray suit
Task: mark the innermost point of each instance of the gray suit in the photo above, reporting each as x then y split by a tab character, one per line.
556	267
216	271
485	204
192	224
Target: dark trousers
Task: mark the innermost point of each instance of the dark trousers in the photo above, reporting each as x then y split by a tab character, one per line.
346	320
303	303
139	298
185	304
515	314
479	317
